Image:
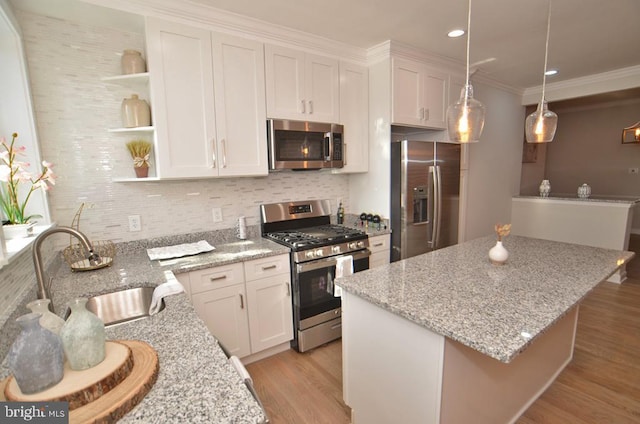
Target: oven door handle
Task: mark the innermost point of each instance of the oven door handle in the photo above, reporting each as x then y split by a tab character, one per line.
331	261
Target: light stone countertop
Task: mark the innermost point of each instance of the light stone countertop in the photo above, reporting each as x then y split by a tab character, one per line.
196	383
592	198
496	310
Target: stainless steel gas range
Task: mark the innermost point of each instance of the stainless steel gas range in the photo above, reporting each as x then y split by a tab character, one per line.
316	248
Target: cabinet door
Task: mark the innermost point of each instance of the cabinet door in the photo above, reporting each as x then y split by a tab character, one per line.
224	312
354	115
407	93
238	67
181	78
270	311
322	89
436	98
285	73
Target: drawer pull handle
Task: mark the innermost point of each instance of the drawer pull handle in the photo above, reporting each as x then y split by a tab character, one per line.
288	289
267	268
241	301
335	327
378	244
221	277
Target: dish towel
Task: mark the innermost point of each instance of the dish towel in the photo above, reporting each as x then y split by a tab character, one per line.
172	286
179	250
344	267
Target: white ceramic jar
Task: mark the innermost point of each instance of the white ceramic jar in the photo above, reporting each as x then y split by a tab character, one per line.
135	112
132	62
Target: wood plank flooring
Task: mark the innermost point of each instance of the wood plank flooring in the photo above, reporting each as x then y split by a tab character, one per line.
600	386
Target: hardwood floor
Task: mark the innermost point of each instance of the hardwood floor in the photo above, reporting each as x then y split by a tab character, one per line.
601	385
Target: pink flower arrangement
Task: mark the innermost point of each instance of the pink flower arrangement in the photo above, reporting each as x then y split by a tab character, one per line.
13	172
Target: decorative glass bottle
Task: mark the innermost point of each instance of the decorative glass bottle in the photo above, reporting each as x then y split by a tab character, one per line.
83	337
132	62
545	188
35	358
48	320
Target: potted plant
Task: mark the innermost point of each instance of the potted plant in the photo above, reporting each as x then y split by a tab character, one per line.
140	150
13	174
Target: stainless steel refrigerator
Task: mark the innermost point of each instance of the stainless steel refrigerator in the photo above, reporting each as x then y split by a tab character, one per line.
425	188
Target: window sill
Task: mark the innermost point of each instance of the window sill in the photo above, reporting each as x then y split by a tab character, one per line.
16	246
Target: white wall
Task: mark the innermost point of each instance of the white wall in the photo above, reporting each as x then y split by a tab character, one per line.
494	162
74	109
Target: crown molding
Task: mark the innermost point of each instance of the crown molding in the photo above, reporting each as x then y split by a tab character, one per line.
207	17
391	48
619	79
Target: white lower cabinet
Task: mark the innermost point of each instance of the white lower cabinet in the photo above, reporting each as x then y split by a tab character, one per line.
270	313
224	311
380	247
246	306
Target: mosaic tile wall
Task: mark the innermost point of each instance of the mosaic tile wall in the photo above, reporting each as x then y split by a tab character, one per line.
74	109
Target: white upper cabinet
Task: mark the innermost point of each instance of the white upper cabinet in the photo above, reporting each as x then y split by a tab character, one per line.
420	95
354	115
238	69
208	97
301	86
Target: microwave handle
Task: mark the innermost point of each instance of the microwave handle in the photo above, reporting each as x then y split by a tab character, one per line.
328	146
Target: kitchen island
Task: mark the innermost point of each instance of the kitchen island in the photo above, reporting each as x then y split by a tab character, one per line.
600	221
196	383
447	337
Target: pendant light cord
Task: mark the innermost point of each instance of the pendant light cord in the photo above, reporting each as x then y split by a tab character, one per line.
468	43
546	54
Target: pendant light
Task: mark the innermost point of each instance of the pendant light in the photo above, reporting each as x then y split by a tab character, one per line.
540	126
465	118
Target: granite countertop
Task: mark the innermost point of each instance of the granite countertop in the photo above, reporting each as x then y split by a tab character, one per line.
196	383
592	198
496	310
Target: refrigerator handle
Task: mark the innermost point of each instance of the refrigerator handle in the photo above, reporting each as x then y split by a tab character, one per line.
437	206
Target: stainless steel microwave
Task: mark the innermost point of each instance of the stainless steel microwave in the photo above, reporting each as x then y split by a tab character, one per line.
304	145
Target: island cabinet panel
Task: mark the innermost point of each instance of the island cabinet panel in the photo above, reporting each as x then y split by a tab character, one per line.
301	86
209	102
479	389
392	368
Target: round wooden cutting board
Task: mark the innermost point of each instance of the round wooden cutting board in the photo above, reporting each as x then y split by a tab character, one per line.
104	393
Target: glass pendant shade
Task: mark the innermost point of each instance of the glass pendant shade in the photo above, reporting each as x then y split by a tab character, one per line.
465	118
540	126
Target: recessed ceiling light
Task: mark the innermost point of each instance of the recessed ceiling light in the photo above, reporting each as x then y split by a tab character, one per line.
455	33
551	72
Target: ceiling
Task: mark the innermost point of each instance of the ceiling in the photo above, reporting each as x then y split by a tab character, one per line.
507	36
587	36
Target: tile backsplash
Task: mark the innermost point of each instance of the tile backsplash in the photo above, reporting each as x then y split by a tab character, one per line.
74	108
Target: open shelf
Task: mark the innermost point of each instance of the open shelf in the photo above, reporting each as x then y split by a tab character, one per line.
132	130
129	79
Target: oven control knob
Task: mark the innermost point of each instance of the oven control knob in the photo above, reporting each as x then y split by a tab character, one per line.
309	254
360	244
319	252
335	249
352	245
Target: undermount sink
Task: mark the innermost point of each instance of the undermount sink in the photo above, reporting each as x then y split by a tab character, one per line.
122	306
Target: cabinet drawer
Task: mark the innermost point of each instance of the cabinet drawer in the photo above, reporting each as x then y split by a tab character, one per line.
379	243
266	267
213	278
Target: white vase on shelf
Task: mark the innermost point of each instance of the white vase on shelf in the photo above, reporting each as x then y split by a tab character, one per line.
545	188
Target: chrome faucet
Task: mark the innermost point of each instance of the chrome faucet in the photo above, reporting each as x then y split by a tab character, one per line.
43	288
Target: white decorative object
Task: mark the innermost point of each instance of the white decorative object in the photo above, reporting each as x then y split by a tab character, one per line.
15	231
135	112
498	254
545	188
241	228
584	191
132	62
